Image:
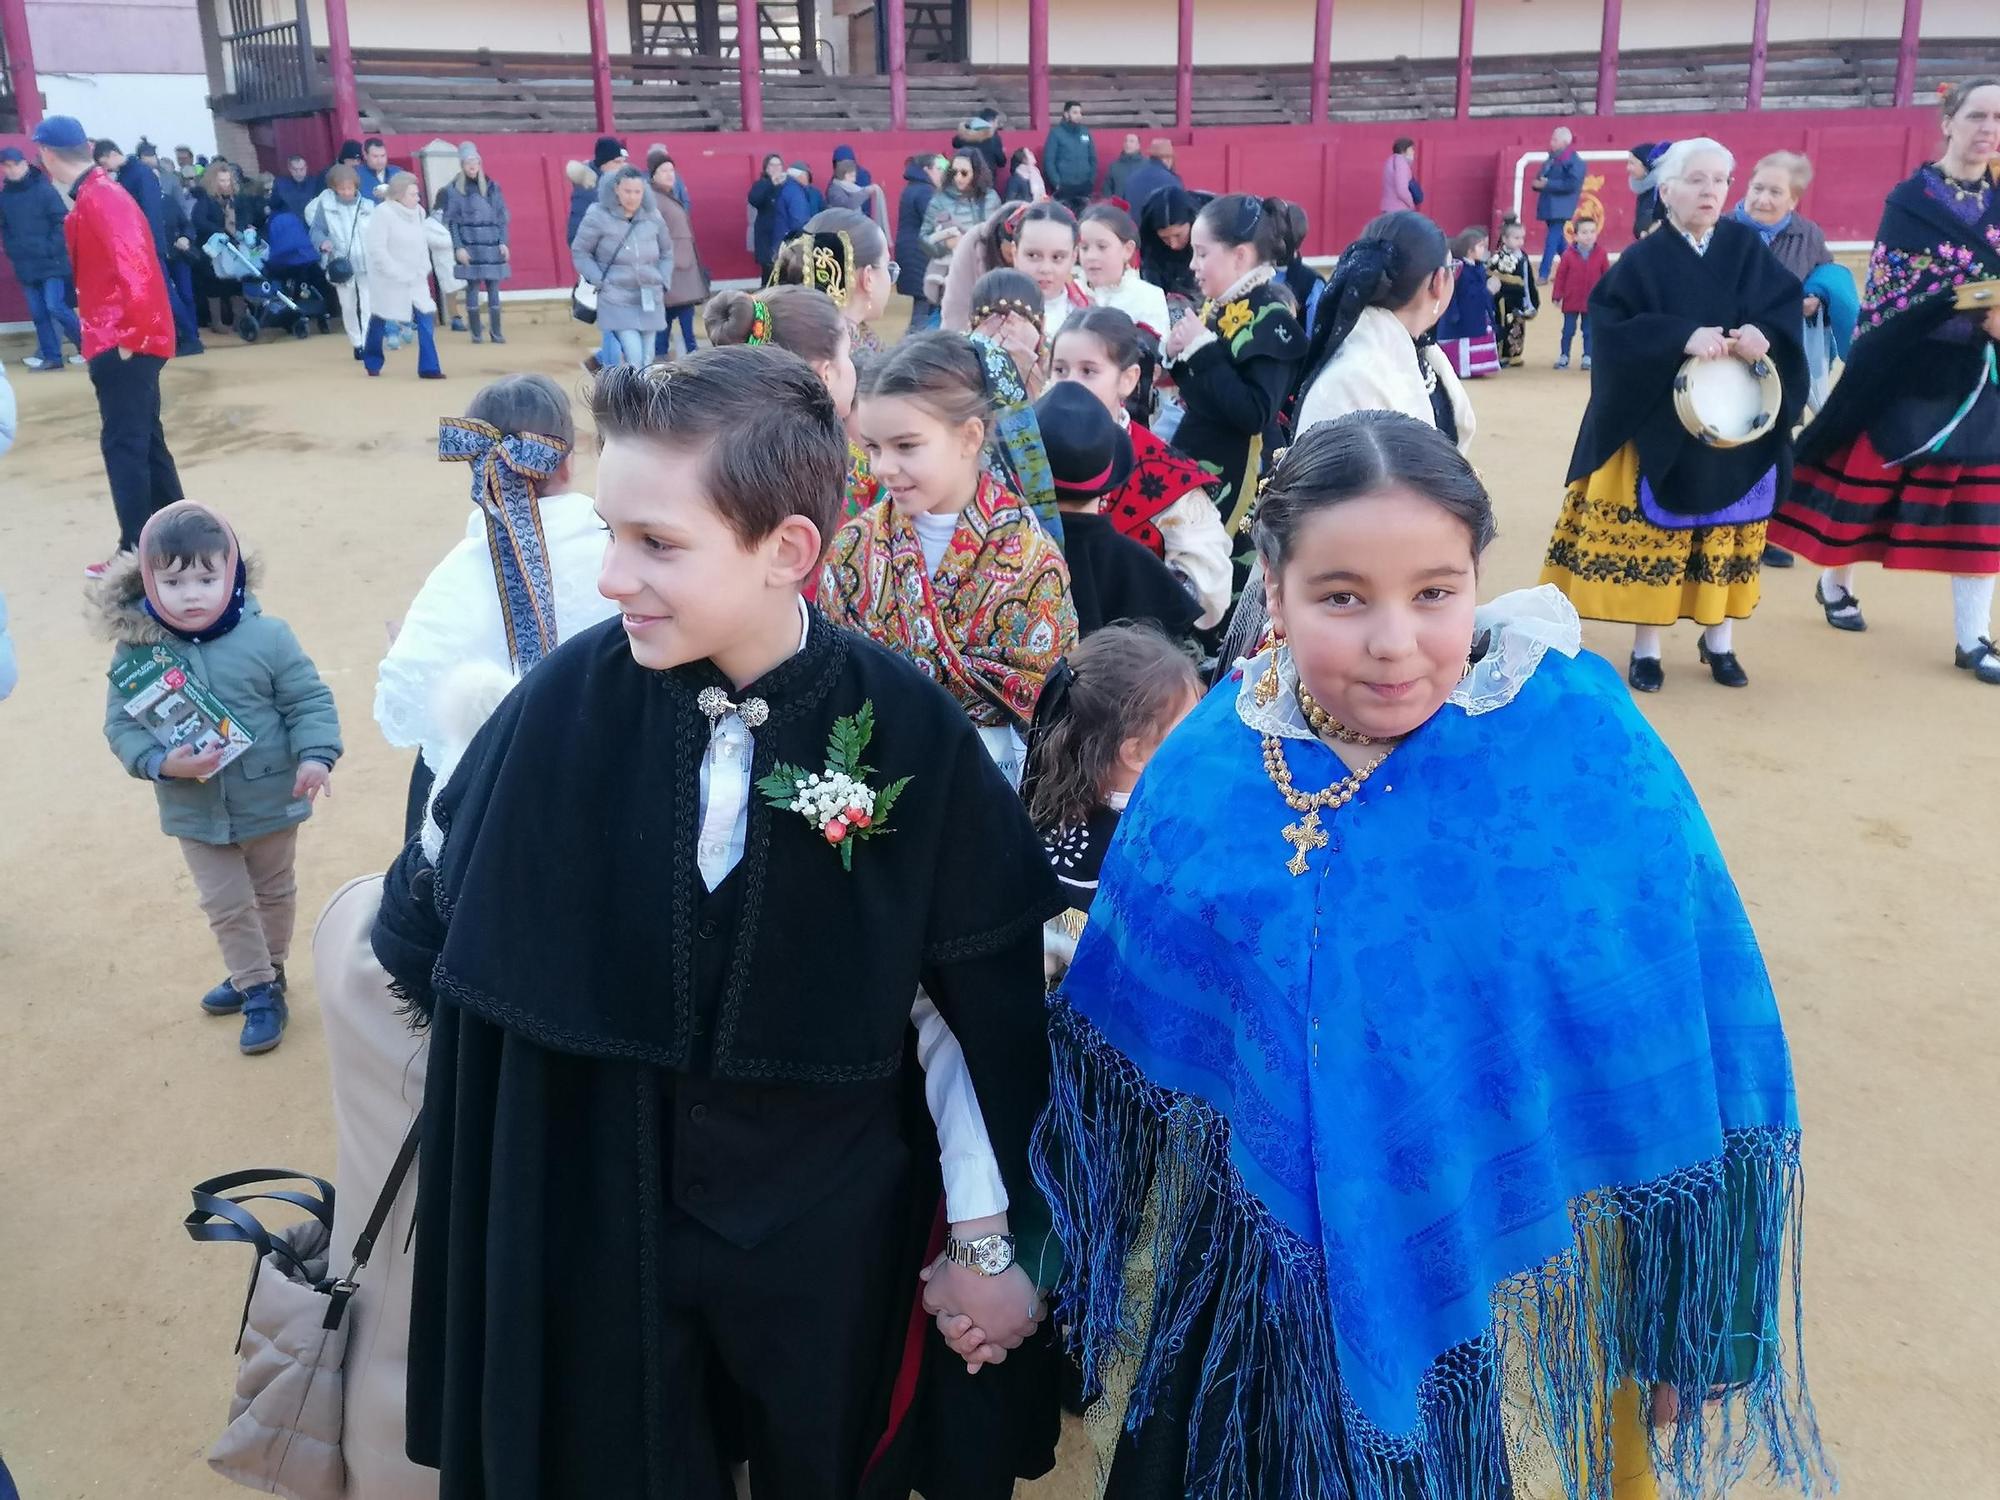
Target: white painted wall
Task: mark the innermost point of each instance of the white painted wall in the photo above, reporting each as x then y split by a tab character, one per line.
465	25
169	108
1236	33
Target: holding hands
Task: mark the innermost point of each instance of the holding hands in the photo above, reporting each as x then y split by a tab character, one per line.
981	1317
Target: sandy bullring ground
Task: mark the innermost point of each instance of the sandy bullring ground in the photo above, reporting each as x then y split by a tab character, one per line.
1853	787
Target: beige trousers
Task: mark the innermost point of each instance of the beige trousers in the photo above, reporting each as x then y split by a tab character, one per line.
251	896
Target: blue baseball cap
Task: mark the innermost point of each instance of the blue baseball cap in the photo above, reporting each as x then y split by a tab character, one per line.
11	153
64	132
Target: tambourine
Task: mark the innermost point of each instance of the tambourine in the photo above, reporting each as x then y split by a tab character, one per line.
1727	403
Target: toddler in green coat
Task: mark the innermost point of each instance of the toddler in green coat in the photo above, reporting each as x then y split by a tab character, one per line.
183	599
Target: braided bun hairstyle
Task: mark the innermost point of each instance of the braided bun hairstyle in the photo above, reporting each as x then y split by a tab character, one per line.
802	320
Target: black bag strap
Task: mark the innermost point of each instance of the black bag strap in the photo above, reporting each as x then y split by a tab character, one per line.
620	250
406	1154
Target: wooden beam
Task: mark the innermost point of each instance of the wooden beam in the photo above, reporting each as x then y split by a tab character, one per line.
600	67
1760	53
750	62
1038	65
1906	50
897	36
1462	97
1322	67
340	63
1184	69
21	64
1607	59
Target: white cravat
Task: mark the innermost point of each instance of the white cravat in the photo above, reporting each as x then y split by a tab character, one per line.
972	1185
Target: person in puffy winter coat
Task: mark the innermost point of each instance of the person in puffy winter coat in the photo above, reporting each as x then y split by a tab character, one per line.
31	228
921	175
475	212
188	590
338	221
627	253
399	273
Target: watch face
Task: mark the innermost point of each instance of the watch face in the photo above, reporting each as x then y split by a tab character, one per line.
992	1255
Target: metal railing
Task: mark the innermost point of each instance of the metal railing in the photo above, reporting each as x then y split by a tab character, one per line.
267	61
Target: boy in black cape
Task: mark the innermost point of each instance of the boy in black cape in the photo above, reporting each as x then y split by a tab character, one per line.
678	1184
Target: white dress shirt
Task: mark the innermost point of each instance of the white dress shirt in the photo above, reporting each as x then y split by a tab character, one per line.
972	1185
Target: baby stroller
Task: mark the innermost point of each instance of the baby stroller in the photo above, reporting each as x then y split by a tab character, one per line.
274	296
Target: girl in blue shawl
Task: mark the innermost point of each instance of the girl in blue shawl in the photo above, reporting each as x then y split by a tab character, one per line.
1423	1125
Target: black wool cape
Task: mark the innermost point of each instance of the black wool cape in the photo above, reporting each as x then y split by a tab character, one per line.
550	951
1641	316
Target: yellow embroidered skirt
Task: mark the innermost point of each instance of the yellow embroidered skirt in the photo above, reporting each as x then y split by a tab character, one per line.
1616	565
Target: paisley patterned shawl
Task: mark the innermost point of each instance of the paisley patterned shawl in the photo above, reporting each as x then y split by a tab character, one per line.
1159	478
1015	455
505	471
1427	1152
863	488
988	626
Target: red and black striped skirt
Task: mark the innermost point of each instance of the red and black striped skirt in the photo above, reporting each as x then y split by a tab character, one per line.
1852	507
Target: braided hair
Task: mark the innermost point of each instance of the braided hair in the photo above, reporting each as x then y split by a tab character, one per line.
1396	254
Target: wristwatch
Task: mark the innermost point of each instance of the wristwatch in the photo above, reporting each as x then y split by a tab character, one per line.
989	1255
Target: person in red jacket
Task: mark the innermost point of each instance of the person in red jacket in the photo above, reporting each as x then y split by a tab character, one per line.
1582	266
128	325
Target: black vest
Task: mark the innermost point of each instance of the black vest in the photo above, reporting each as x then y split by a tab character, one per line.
748	1159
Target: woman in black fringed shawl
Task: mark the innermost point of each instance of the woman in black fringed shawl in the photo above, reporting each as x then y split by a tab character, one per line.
1657	526
1902	465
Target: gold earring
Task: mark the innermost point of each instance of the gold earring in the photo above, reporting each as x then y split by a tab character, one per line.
1269	685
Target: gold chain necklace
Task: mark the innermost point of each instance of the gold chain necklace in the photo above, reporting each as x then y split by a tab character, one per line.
1325	724
1306	834
1966	190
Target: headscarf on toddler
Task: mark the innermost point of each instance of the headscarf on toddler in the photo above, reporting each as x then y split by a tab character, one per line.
211	624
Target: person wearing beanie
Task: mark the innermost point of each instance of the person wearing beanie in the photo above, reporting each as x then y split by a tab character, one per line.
1112	577
128	326
475	211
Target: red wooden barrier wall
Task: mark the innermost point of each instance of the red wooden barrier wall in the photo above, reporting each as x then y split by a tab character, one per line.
1467	169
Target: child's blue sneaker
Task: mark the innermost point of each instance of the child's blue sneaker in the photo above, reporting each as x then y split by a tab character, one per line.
224	1000
264	1019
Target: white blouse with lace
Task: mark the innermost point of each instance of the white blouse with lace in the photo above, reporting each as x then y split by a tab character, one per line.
1521	628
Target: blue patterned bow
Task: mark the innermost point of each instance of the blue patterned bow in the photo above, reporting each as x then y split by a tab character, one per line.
505	468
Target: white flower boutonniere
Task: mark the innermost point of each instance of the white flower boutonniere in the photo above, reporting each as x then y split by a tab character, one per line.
838	802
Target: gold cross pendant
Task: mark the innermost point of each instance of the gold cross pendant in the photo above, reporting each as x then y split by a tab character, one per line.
1305	836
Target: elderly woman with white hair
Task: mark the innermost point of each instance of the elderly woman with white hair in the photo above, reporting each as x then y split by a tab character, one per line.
1658	525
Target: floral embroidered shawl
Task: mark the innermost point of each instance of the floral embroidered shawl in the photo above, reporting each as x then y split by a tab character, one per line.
987	626
1904	347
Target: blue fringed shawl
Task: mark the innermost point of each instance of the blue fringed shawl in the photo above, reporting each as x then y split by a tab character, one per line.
1438	1145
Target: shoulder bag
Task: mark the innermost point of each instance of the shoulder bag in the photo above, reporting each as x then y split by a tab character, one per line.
283	1436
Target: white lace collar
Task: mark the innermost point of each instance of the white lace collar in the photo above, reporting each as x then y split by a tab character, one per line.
1521	627
1245	284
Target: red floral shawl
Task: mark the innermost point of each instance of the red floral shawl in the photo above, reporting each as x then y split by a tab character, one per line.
1159	477
988	626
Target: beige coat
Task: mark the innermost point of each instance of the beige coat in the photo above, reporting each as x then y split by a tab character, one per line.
378	1086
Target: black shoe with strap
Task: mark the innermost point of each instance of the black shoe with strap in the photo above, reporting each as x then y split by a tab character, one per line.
1982	661
1843	613
1724	667
1646	674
